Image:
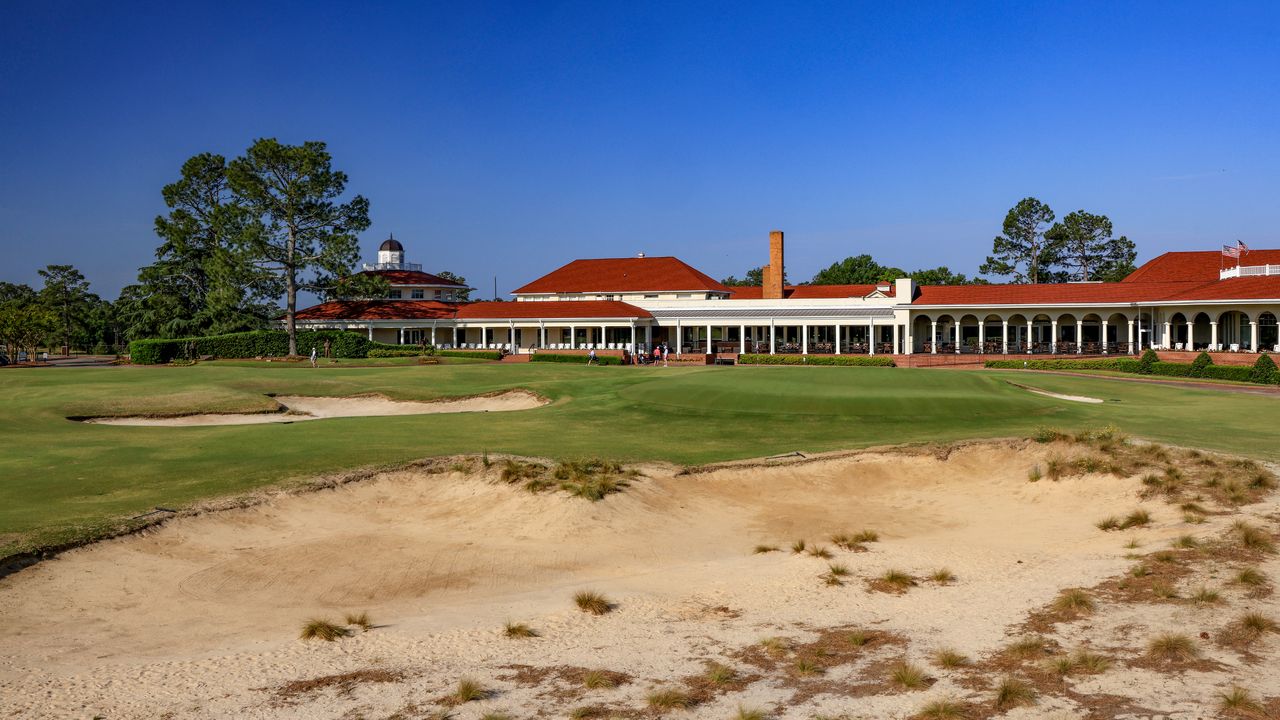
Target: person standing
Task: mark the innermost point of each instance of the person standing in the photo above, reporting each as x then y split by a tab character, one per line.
313	356
665	352
591	356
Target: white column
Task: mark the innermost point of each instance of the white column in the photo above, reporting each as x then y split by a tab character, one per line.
982	336
1053	338
678	338
933	337
1079	337
956	332
1253	336
1106	330
371	331
1191	341
837	338
742	339
804	339
542	334
1168	336
1030	327
573	337
909	347
1131	338
772	339
633	338
871	337
709	339
1004	337
896	337
1213	335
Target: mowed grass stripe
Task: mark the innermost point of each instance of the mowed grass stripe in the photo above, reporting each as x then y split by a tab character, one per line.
61	479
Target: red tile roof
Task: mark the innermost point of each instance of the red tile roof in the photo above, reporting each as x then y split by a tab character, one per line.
604	275
803	292
1066	293
378	310
1245	288
1201	265
559	309
412	277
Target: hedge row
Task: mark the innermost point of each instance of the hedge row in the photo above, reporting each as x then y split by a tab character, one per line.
481	354
1263	371
578	359
860	360
257	343
396	352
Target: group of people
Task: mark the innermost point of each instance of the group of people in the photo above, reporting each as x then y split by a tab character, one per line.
658	354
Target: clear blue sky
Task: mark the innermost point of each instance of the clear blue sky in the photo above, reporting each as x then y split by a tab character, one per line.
508	139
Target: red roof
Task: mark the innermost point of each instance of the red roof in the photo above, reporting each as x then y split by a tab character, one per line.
378	310
1245	288
1065	293
560	309
604	275
1200	265
412	277
803	292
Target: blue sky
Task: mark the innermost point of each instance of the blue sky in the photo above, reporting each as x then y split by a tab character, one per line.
507	139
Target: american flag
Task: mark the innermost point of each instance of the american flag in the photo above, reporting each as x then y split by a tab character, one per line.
1235	251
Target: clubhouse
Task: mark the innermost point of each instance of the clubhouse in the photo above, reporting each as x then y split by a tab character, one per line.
1177	301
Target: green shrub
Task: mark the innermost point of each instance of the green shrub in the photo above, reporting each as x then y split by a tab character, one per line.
1264	370
256	343
1120	364
1149	358
1239	373
479	354
1198	365
409	351
576	359
846	360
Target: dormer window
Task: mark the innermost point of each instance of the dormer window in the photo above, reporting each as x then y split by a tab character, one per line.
417	294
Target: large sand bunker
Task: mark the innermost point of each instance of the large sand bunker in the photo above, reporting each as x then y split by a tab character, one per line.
296	408
199	617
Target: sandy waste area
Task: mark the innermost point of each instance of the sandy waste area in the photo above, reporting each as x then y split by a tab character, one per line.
200	617
297	408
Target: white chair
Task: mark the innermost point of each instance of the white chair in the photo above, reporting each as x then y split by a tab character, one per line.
1235	347
1177	346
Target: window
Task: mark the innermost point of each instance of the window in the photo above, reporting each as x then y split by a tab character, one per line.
394	295
650	297
417	294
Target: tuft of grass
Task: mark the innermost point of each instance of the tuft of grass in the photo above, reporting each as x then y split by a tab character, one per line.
597	680
1172	647
867	536
1254	625
1137	518
1089	662
1164	556
495	716
1026	647
1193	507
761	549
908	676
669	699
845	541
943	710
1251	577
360	620
820	552
1239	700
1054	467
1035	474
590	601
1074	600
1163	590
751	714
1193	519
858	638
948	658
942	576
1111	522
1133	544
898	579
469	690
806	666
519	630
719	674
582	713
1012	692
1253	537
1140	571
1061	665
592	479
1048	434
797	547
316	629
1206	596
1186	542
774	645
838	570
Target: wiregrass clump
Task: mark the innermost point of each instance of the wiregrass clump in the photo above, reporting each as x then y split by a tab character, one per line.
360	620
469	690
1172	647
908	677
317	629
592	479
518	630
669	699
590	601
1012	692
948	658
1075	601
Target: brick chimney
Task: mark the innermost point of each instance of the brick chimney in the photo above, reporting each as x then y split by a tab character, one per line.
774	272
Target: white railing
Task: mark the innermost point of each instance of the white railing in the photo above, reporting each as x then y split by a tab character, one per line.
393	266
1248	271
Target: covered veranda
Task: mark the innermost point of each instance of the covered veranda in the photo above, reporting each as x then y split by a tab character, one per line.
1048	332
731	331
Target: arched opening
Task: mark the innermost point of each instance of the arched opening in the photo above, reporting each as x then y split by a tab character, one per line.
1118	338
1091	334
969	334
1019	336
1067	338
1201	332
922	338
1268	333
1234	333
946	334
1178	332
1042	340
992	334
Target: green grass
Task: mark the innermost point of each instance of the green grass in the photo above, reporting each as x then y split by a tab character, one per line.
62	481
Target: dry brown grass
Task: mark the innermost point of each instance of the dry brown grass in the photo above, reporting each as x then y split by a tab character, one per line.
469	690
944	709
761	549
317	629
518	630
893	581
1075	601
598	680
590	601
669	699
949	659
942	576
1012	692
820	552
907	676
1172	648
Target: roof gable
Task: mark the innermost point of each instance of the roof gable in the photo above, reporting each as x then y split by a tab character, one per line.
605	275
412	277
1201	265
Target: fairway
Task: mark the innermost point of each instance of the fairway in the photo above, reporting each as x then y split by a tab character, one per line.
61	480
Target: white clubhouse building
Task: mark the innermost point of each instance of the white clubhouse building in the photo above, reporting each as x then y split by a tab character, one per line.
1177	301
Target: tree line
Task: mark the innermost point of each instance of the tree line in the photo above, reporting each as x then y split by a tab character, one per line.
238	237
1032	249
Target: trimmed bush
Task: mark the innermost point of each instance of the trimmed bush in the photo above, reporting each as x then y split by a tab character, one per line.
479	354
400	352
1264	370
1198	365
257	343
575	359
1148	359
1120	364
845	360
1239	373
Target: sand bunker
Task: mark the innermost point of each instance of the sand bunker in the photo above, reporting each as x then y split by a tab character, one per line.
1059	396
296	408
199	618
